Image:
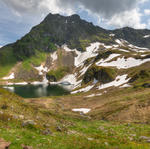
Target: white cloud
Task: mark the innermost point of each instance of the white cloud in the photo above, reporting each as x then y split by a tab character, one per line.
117	13
147	11
36	7
128	18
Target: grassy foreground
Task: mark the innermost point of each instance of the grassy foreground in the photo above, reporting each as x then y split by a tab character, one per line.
41	128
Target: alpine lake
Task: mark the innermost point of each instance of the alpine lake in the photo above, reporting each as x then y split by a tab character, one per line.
39	90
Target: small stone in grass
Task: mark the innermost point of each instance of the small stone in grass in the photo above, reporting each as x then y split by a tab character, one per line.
26	147
90	139
58	128
47	132
4	144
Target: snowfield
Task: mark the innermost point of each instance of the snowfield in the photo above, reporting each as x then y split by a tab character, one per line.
91	51
71	78
122	63
120	80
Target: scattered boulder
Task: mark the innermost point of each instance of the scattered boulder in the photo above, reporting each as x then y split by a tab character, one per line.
26	147
4	144
47	132
146	85
21	116
58	128
28	122
144	138
101	128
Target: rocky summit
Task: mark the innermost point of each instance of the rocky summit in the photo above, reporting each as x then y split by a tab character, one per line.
82	83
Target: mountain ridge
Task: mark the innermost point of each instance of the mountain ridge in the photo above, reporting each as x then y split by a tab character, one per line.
73	31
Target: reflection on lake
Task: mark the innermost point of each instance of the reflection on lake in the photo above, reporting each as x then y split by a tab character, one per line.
42	90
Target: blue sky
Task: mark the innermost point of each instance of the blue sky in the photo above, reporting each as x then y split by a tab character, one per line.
18	17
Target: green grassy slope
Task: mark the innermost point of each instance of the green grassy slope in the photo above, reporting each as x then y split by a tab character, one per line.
66	130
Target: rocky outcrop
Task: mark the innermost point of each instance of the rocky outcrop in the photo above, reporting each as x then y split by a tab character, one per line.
27	75
102	74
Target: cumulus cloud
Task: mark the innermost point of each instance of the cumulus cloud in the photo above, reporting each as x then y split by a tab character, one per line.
105	8
36	7
118	12
128	18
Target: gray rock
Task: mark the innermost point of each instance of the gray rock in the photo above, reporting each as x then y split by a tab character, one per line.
90	139
21	116
144	138
28	122
46	125
15	117
47	132
101	128
58	128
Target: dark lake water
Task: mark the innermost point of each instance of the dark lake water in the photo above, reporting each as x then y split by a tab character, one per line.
35	91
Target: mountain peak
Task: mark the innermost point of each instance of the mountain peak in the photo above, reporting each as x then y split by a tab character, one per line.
51	16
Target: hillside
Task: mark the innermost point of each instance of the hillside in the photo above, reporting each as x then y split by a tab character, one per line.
106	71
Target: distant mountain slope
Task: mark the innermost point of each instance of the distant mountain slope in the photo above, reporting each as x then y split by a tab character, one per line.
138	37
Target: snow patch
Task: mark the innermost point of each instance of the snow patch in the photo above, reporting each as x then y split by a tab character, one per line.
107	59
111	35
71	78
146	36
119	42
93	95
91	51
54	56
65	47
125	85
122	63
138	49
123	50
83	110
86	89
41	69
83	71
10	77
120	80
